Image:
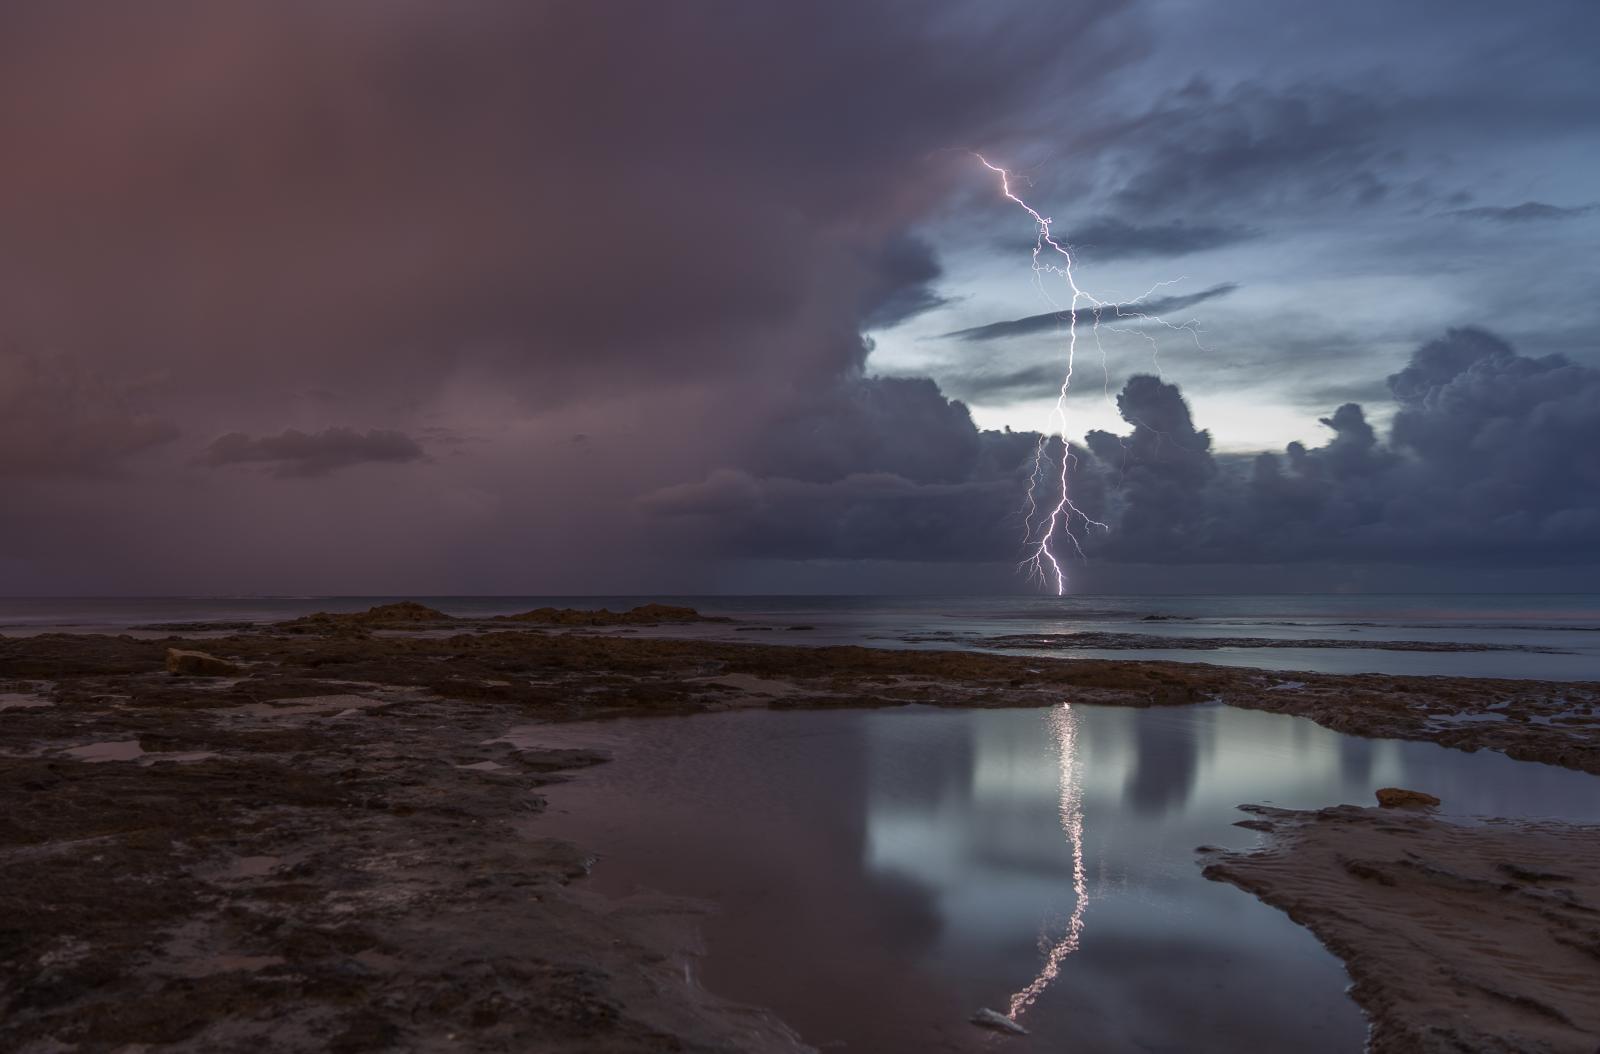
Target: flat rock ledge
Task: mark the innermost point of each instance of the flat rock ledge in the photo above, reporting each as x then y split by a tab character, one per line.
1482	937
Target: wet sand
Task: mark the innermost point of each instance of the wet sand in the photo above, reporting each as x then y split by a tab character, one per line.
1480	938
335	848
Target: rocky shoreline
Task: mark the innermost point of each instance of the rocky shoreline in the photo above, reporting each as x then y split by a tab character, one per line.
332	848
1482	937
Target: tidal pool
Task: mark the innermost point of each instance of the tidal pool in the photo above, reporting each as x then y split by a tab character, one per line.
878	875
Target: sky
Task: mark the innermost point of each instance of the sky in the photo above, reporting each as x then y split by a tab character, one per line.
393	297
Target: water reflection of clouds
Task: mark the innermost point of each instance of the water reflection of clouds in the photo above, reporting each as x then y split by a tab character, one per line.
880	873
992	823
1166	759
1058	849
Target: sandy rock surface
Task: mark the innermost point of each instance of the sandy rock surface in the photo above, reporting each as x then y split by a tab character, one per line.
1458	937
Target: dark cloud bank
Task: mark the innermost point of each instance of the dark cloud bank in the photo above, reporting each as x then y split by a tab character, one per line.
231	232
508	223
1491	455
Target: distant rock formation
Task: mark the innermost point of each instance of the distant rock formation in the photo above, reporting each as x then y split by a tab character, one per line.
408	614
643	615
404	614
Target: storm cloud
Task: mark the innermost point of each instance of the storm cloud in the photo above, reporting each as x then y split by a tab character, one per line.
541	191
480	231
1052	321
511	222
1491	454
59	416
1527	212
1024	382
1109	238
1203	146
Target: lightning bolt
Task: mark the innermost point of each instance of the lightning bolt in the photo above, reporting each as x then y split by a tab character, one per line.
1048	525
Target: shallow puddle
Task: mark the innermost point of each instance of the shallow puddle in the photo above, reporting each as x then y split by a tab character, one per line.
242	867
23	701
121	750
310	705
881	875
130	750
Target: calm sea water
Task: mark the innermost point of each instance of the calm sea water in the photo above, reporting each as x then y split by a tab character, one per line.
1567	624
879	875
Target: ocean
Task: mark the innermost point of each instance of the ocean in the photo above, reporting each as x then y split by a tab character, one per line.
1527	636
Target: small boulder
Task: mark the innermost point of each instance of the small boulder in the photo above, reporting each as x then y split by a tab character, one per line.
198	664
986	1018
1399	798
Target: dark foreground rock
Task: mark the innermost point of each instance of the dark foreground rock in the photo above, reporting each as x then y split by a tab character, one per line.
359	870
336	849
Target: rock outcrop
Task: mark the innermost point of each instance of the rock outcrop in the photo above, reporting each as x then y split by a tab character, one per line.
404	614
1400	798
183	663
1458	936
643	615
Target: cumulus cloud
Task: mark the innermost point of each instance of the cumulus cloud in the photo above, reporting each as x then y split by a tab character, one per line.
882	467
1490	455
296	453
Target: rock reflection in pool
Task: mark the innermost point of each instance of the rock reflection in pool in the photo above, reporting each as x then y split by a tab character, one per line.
881	874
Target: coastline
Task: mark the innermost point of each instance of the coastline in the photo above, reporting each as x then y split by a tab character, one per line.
339	835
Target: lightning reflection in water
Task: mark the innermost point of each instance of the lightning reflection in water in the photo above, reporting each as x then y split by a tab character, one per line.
1064	730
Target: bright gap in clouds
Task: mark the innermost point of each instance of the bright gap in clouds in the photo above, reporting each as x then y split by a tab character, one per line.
1237	424
1308	326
